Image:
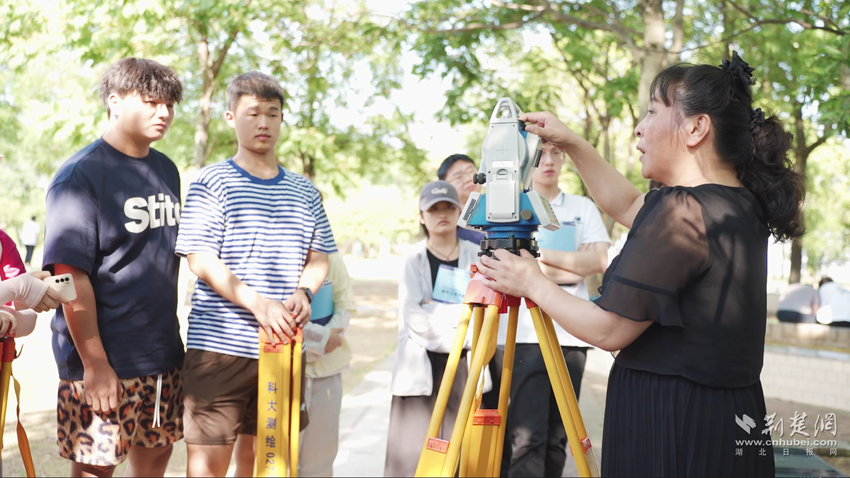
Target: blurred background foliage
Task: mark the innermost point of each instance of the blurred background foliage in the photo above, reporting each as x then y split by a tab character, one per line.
343	64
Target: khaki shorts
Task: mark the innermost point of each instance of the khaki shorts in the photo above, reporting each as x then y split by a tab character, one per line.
220	397
105	439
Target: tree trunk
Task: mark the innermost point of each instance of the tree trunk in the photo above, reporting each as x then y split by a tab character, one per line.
632	141
673	55
605	123
728	28
210	68
652	59
801	154
202	125
796	260
308	165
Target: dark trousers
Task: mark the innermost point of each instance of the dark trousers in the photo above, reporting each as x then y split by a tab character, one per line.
535	440
30	250
795	317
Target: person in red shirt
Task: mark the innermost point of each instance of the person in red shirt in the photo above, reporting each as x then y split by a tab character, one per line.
28	292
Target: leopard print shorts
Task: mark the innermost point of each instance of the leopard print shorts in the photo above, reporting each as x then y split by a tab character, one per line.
105	439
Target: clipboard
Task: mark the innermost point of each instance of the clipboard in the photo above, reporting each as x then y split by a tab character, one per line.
564	239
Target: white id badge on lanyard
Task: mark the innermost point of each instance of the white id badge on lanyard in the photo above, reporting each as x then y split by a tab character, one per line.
451	284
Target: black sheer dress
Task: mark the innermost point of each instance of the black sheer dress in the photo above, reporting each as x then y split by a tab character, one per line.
684	397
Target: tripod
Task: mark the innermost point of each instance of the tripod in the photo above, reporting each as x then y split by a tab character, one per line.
476	442
7	345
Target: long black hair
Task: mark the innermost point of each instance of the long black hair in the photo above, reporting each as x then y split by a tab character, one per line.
756	146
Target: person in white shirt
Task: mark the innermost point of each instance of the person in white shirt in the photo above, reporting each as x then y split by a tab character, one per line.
535	441
834	304
798	303
29	237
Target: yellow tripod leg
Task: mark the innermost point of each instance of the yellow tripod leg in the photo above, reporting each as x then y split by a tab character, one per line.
295	409
23	440
7	345
505	389
558	388
5	375
465	408
572	399
482	426
477	322
270	392
434	450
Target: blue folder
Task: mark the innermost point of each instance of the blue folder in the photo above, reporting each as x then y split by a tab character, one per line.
322	307
564	239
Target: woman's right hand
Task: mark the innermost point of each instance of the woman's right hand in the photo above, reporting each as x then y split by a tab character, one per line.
550	128
29	291
49	301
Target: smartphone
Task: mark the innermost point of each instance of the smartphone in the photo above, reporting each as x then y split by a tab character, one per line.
64	285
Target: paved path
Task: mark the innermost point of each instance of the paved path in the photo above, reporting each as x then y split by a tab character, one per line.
365	418
366	410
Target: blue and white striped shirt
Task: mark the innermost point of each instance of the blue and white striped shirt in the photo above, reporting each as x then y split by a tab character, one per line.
261	229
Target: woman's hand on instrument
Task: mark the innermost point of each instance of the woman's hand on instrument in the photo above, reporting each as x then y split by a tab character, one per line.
511	274
550	128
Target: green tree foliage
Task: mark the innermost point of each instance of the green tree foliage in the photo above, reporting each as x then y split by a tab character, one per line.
611	50
314	47
828	208
801	51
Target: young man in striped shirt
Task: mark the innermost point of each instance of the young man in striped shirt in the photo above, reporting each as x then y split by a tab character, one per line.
257	237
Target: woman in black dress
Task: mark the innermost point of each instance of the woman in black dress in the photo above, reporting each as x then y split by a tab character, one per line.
685	300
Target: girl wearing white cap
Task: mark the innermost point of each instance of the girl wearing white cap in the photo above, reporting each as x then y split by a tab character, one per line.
430	291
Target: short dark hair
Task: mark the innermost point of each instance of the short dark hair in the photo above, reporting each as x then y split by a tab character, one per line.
147	77
256	84
448	162
33	218
824	280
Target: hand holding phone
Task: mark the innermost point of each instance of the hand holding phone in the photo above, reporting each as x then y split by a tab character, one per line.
64	285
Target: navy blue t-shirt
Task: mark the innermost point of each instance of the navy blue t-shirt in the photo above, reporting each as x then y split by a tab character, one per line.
116	217
470	235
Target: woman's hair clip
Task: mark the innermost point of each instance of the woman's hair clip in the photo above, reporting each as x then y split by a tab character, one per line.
739	68
757	119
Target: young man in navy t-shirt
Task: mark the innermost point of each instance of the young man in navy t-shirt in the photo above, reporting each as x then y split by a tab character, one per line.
112	215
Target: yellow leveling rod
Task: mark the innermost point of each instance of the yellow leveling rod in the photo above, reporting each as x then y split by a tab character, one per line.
279	405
